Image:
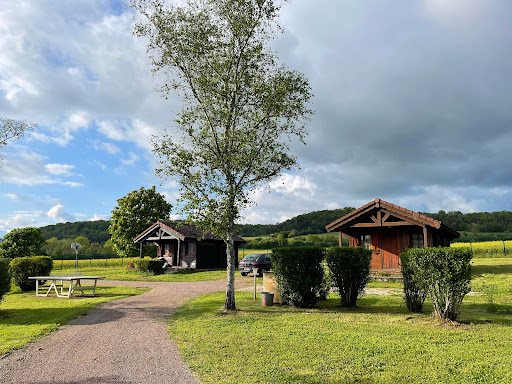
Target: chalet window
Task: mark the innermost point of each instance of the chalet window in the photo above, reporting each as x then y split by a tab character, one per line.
366	241
166	249
417	240
190	248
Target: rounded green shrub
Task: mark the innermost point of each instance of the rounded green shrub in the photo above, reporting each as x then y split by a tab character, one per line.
413	294
349	268
149	266
21	268
299	274
445	274
5	277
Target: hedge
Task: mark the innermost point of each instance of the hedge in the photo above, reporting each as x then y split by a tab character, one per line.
349	268
299	274
5	277
21	268
414	295
445	274
149	266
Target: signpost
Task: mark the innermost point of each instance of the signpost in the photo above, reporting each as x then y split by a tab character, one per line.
76	247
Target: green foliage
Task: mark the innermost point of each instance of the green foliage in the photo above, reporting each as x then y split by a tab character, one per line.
445	274
414	296
5	277
349	268
133	214
21	268
241	106
22	242
95	231
149	266
299	274
11	129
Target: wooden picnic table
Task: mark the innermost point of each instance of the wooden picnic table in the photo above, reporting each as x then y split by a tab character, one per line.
75	284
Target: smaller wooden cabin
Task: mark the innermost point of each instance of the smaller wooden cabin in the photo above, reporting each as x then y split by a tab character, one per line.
388	230
186	246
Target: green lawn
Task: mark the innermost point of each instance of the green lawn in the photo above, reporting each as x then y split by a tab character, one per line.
115	271
25	317
378	342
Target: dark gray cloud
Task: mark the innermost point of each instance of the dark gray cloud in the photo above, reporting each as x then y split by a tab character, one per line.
408	95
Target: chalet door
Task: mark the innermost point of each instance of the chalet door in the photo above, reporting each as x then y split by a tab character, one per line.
391	244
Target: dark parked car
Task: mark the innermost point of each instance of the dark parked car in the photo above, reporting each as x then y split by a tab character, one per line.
262	261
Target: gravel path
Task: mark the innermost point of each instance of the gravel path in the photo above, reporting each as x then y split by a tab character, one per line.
123	341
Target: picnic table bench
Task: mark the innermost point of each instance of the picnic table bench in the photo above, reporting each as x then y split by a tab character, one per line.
75	284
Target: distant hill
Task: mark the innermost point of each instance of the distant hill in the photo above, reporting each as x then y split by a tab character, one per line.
480	226
95	231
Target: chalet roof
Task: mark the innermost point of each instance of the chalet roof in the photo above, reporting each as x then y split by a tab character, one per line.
179	231
415	217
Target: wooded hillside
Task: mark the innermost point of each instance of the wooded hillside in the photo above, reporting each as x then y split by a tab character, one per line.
480	226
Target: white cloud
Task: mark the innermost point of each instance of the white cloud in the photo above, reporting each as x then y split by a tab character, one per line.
28	169
59	169
110	148
99	217
59	215
138	132
132	159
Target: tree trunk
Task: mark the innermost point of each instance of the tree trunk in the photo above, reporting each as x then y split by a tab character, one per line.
229	304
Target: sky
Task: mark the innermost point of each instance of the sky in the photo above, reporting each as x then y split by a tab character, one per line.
412	104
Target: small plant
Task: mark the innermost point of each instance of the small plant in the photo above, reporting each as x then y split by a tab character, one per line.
445	274
149	267
299	274
413	294
5	277
350	271
21	268
130	264
489	290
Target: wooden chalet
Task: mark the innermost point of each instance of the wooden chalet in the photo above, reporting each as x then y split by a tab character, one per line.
388	230
186	246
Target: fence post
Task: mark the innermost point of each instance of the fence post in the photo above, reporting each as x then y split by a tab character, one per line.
504	250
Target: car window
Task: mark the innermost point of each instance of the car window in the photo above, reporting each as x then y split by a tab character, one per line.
267	258
250	258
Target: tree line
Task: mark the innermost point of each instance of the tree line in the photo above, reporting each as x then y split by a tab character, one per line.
478	226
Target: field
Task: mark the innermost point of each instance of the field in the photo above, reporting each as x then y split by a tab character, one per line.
25	317
116	269
378	342
488	248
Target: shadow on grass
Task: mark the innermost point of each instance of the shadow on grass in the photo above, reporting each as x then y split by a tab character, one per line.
51	315
478	270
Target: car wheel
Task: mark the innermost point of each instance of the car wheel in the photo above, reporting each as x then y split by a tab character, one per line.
243	273
260	273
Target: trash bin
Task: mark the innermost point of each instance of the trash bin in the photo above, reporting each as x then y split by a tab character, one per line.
267	299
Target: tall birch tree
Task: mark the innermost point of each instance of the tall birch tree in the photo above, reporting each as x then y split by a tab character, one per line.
241	107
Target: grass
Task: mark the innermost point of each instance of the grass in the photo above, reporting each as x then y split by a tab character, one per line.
25	317
116	271
377	342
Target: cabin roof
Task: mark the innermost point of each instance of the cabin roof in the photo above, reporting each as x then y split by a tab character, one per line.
414	217
179	231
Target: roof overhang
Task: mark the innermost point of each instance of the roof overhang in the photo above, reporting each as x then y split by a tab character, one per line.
380	213
157	232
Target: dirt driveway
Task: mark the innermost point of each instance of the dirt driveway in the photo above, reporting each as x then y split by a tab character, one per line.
123	341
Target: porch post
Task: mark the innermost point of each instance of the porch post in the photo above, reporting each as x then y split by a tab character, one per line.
140	250
425	237
340	239
178	258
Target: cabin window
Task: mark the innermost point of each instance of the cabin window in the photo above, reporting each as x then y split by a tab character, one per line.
190	248
166	249
366	241
417	240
